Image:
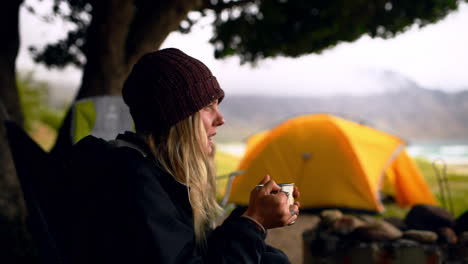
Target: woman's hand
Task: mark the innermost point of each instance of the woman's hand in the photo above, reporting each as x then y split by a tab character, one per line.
295	207
269	206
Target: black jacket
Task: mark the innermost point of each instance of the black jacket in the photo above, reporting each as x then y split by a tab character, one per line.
130	210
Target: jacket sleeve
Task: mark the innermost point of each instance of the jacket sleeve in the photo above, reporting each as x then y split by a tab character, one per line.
152	230
237	240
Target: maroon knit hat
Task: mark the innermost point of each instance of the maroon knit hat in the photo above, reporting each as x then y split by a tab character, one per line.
167	86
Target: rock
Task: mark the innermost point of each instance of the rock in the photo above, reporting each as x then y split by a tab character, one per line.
463	238
392	232
330	216
368	219
461	224
405	243
447	235
428	217
420	236
397	222
368	234
346	224
377	231
320	243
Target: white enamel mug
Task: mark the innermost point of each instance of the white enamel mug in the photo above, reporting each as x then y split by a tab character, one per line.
287	188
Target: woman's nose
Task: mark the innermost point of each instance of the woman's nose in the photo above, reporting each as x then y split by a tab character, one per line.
219	121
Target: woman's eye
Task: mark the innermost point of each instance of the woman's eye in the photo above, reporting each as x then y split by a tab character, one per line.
210	106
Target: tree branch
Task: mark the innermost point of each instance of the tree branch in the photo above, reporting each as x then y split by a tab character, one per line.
220	5
153	22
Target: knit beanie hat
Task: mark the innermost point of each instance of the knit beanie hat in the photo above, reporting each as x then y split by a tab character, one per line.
167	86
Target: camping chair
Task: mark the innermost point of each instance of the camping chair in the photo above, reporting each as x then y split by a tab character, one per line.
37	177
46	191
101	116
227	191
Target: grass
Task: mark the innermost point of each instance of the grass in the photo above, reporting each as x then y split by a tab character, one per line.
458	184
225	164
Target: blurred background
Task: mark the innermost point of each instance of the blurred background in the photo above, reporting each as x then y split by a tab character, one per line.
398	66
413	85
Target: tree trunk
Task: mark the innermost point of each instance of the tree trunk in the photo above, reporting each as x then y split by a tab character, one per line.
115	42
15	240
121	32
105	67
11	201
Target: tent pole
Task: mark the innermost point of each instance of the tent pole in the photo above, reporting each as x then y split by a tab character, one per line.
443	183
227	192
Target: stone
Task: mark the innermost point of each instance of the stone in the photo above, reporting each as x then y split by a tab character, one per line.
422	236
377	231
396	222
330	216
347	224
428	217
405	243
447	235
368	218
463	238
461	224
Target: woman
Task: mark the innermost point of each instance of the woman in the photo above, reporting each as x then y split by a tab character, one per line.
160	206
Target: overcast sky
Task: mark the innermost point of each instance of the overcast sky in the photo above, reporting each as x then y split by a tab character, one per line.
435	56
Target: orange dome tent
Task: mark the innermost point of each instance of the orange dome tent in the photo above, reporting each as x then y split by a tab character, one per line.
336	163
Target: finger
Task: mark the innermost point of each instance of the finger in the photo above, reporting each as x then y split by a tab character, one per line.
294	214
298	204
286	196
265	179
296	192
294	209
292	220
261	184
289	217
270	187
281	200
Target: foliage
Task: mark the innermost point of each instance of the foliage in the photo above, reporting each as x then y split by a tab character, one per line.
69	50
255	29
458	186
264	29
34	100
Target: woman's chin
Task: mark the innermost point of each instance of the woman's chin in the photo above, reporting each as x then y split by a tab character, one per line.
210	148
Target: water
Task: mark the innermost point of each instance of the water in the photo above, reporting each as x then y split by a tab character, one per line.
236	149
450	153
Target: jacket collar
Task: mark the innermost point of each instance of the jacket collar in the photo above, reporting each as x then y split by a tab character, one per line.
133	140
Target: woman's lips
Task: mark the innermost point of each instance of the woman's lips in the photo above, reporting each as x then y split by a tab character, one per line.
210	137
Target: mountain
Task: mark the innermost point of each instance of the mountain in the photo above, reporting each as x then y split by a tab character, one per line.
411	112
400	106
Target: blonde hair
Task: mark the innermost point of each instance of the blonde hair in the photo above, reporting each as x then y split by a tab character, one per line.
182	152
